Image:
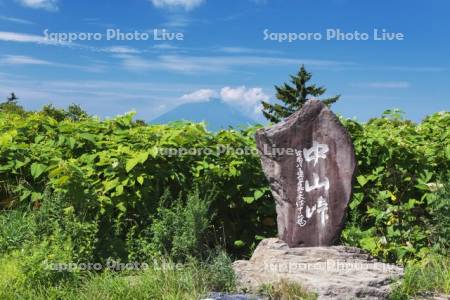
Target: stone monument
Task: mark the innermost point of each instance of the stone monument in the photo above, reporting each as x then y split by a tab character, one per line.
310	163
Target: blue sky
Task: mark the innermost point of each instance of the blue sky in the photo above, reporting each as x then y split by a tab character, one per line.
224	54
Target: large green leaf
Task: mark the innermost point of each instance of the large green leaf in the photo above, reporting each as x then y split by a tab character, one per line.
37	169
139	158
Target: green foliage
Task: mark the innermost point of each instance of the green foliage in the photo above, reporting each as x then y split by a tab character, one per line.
431	275
114	172
439	222
15	230
221	274
193	280
11	105
285	290
110	177
181	230
294	97
395	211
85	190
73	113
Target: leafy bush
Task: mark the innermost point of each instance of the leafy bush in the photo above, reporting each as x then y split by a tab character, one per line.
114	172
394	203
111	175
439	223
221	274
180	230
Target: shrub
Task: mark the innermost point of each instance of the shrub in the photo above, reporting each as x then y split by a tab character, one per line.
392	204
221	274
180	229
439	222
112	174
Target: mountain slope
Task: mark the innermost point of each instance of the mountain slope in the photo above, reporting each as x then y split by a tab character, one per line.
215	113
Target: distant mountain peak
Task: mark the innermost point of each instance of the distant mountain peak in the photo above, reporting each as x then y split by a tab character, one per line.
215	113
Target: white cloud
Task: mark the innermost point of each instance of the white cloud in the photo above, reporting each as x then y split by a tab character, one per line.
202	95
177	21
248	99
408	68
199	64
49	5
238	50
17	60
16	20
21	38
384	85
121	50
165	47
186	4
30	38
22	60
17	37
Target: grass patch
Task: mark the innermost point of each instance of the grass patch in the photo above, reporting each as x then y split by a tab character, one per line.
286	290
192	280
428	276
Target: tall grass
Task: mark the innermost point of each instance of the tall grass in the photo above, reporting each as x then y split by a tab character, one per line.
428	276
193	280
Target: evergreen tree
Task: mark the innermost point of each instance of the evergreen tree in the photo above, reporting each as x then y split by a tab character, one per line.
12	98
76	113
11	106
294	97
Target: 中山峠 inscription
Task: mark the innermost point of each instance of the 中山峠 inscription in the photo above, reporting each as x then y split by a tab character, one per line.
312	183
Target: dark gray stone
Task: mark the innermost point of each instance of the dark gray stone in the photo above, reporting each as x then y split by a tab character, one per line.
310	163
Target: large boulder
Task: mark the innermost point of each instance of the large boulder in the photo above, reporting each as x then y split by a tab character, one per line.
310	163
336	272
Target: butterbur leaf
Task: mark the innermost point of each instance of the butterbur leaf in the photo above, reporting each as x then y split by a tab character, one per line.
89	137
369	243
258	194
69	210
120	206
361	180
248	200
36	196
25	195
37	169
109	185
119	190
153	152
71	142
239	244
137	159
19	164
357	199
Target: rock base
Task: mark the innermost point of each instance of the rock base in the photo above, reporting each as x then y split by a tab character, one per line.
336	272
